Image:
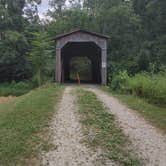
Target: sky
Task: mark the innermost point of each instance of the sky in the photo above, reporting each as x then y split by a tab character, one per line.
43	7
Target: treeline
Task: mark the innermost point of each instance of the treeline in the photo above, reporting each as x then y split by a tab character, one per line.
137	29
18	19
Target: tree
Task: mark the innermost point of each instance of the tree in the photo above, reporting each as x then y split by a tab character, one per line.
153	17
136	27
13	64
40	55
14	43
57	7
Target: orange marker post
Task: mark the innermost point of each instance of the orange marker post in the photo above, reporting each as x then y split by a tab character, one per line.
78	79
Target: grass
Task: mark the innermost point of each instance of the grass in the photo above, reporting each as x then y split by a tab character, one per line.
21	122
15	89
154	114
102	130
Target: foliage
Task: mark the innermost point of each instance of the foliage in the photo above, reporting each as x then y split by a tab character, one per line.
22	121
137	31
132	47
102	131
119	81
15	89
82	66
13	42
13	64
40	55
151	87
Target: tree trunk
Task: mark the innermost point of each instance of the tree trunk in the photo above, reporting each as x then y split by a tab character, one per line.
39	77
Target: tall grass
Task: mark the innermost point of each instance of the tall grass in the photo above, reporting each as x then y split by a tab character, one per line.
153	88
150	87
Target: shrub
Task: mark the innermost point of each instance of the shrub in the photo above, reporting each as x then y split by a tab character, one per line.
15	89
119	81
151	87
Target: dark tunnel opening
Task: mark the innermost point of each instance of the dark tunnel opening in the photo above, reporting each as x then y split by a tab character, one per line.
83	58
82	66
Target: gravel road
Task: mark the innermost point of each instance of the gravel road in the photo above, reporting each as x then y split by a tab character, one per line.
147	141
68	138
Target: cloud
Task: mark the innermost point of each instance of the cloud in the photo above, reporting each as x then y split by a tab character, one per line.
42	8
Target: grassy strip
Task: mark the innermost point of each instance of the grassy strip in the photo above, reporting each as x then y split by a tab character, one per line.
22	120
154	114
102	130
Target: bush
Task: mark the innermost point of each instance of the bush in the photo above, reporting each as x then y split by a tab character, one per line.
119	81
15	89
151	87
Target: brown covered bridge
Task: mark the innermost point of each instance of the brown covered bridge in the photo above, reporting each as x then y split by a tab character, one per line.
81	43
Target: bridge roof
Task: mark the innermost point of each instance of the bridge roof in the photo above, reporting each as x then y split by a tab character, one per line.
82	31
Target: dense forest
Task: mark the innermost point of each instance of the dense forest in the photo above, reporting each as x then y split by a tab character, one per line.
137	29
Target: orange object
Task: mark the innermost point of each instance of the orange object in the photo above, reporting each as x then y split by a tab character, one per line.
78	78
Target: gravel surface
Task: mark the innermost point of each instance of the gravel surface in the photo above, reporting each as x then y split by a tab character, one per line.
147	141
68	138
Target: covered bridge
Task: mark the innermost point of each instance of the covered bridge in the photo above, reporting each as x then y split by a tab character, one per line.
81	43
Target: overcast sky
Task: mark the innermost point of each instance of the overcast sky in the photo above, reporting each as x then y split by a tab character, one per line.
43	7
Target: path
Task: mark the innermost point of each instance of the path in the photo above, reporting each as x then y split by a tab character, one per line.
67	137
147	141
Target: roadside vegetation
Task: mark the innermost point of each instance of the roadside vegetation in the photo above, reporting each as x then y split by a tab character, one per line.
145	93
154	114
102	130
148	86
21	124
15	89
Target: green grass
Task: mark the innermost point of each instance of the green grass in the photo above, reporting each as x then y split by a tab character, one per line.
154	114
22	121
102	130
15	89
